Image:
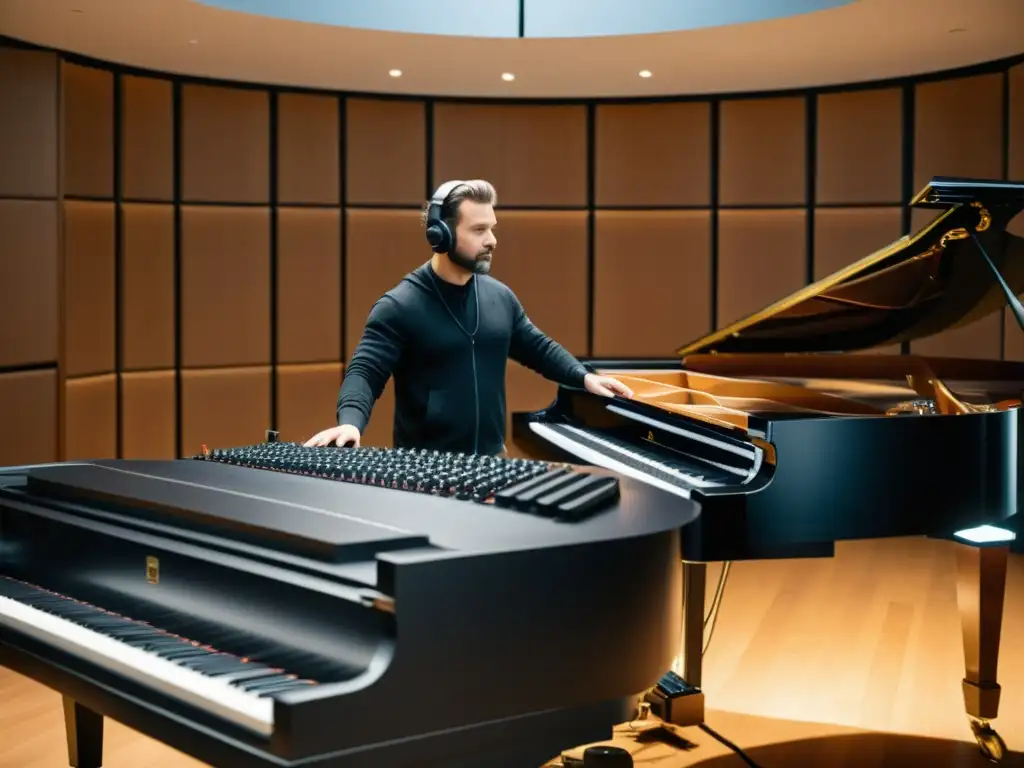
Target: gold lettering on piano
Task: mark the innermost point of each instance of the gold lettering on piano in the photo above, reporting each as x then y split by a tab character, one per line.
650	435
152	570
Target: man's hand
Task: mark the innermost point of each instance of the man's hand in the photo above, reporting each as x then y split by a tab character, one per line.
340	436
606	386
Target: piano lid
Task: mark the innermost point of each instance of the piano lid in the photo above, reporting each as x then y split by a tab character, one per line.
935	279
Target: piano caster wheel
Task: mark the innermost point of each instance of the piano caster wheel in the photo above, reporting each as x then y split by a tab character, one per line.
991	743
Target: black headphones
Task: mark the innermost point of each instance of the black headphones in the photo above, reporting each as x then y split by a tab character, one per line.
439	234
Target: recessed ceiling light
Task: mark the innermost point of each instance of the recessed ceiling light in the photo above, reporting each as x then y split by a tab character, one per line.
395	72
508	77
644	73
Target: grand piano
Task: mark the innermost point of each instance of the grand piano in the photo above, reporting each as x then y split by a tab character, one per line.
276	605
790	444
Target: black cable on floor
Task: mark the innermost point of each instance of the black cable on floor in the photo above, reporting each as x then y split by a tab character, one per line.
716	735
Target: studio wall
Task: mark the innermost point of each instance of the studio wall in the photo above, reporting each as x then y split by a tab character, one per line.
187	263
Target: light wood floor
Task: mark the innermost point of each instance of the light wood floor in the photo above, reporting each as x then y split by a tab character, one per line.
841	662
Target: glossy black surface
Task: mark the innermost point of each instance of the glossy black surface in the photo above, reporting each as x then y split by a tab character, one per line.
438	631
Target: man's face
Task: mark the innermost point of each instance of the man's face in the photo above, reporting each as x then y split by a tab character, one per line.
475	240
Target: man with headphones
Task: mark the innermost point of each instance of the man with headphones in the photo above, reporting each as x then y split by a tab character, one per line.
445	334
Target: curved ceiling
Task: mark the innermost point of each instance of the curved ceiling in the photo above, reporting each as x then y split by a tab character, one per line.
527	18
851	42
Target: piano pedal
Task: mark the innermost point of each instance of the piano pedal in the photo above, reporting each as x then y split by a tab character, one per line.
675	701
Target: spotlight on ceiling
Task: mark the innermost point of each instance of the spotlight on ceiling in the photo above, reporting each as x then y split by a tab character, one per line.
508	77
395	72
644	73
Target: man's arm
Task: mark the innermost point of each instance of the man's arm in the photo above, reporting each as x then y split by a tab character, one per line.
371	365
536	350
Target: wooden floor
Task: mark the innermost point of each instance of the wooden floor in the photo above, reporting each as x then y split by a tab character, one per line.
851	661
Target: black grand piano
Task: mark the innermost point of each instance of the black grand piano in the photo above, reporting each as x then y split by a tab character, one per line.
790	445
275	605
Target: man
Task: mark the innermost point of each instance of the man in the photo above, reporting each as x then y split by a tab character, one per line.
445	333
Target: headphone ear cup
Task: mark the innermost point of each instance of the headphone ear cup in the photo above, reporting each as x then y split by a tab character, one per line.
440	237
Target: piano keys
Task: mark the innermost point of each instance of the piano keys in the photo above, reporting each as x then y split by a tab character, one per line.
789	443
279	605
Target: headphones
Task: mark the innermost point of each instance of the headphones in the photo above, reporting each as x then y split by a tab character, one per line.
439	234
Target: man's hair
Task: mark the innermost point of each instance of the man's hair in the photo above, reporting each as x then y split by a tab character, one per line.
477	190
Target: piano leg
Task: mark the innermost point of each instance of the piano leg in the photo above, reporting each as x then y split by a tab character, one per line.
677	698
981	586
84	729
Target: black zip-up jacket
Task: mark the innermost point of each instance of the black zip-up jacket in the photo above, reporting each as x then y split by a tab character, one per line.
449	371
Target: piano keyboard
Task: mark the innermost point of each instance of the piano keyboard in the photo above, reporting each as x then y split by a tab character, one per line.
604	453
220	683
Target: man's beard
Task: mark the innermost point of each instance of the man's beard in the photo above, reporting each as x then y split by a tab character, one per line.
480	264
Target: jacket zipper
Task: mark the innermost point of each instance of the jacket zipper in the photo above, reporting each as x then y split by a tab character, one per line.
476	399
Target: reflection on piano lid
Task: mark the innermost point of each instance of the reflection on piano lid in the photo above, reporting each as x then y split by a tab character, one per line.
790	444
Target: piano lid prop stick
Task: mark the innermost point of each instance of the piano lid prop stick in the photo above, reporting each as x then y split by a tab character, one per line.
1011	299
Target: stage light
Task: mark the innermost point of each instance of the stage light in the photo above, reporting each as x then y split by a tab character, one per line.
644	73
508	77
395	72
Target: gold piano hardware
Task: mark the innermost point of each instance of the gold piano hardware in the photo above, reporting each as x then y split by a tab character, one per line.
152	570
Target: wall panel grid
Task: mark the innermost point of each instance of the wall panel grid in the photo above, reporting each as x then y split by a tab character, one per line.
198	258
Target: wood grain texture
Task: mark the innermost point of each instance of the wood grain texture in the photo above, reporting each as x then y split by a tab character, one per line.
851	661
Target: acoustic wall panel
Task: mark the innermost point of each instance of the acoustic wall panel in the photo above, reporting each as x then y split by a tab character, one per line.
534	155
224	407
860	147
542	257
28	276
958	128
308	285
652	154
89	287
762	151
88	115
148	414
147	286
761	259
28	411
225	144
29	103
90	417
652	281
225	286
307	397
386	152
307	149
147	138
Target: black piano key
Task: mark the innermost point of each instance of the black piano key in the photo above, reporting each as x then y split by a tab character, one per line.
583	483
527	498
506	496
582	506
282	687
250	684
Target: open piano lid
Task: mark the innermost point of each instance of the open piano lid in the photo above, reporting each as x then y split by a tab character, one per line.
936	279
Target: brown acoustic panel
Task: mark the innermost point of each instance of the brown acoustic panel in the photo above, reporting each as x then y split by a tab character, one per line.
147	286
148	415
28	411
958	128
386	151
147	138
308	285
1013	342
843	236
525	390
653	154
761	259
542	257
89	280
763	151
224	407
225	144
225	286
88	95
28	282
382	246
29	87
860	146
652	281
307	148
1016	122
535	155
307	399
90	417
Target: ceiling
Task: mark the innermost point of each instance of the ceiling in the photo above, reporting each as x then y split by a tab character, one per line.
853	42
